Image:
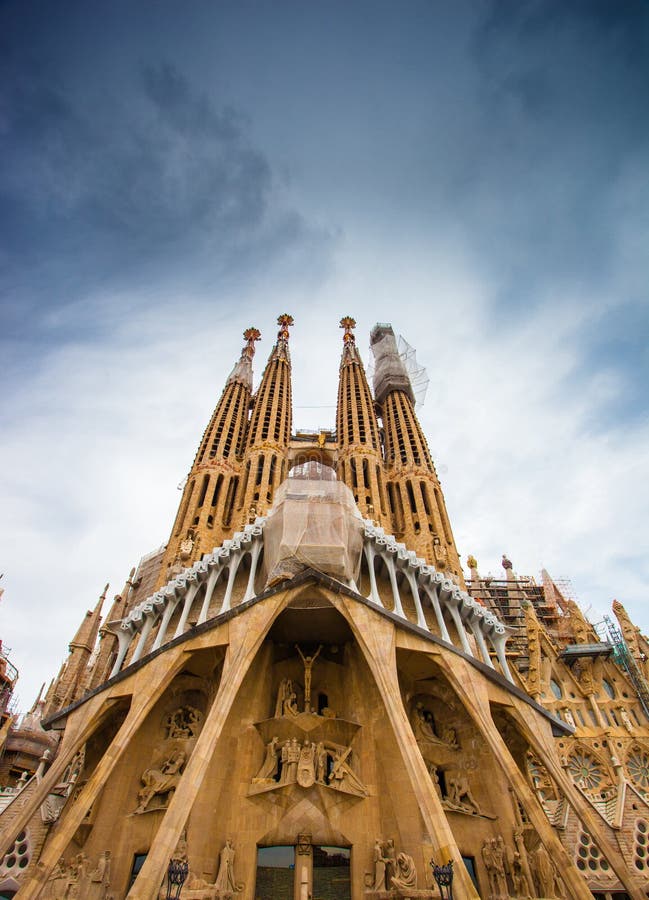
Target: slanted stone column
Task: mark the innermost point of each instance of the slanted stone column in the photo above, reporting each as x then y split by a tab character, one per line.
245	639
477	707
376	639
161	673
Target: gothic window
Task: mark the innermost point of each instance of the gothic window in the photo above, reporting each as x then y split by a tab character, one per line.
18	856
585	770
589	856
608	687
555	687
637	765
640	850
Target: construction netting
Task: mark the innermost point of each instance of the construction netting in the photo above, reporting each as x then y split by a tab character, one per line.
314	523
394	366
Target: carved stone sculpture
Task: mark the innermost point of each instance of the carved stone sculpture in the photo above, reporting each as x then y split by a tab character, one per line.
379	866
284	691
161	780
183	723
306	765
522	888
270	765
225	880
390	856
343	777
459	794
308	668
321	760
544	872
78	880
406	873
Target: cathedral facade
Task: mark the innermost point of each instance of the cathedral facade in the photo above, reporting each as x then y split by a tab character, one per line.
303	696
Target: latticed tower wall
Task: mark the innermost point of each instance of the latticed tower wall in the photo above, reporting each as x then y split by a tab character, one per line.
205	514
266	456
415	500
360	461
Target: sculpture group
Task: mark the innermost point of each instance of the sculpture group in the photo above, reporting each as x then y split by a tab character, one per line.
307	763
393	871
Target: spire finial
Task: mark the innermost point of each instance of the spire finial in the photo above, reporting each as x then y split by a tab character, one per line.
251	335
348	323
284	321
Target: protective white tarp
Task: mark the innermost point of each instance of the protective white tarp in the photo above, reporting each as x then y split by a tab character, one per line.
314	523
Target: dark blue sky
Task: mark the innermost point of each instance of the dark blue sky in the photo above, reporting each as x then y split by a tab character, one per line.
474	172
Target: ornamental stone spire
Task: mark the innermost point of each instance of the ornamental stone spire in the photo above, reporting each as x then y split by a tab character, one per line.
269	432
359	459
205	513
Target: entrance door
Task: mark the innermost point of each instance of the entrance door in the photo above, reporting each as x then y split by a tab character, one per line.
331	873
275	873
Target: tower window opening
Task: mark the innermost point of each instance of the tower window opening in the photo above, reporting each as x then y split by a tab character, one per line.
183	509
217	490
424	497
260	470
217	428
352	464
411	497
201	496
229	499
366	474
442	515
244	485
210	521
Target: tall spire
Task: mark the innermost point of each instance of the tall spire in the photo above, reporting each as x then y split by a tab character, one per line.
72	680
270	430
357	430
204	516
415	496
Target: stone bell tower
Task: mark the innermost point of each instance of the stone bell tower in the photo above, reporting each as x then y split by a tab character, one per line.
205	511
415	497
360	461
269	432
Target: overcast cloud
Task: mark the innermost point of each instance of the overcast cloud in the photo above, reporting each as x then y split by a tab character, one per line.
474	173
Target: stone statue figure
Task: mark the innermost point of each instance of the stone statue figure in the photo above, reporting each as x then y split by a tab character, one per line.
289	707
406	873
499	857
225	880
390	856
289	771
321	758
285	688
162	780
183	723
57	883
308	668
306	765
379	866
626	721
490	865
521	885
544	872
270	765
342	776
459	794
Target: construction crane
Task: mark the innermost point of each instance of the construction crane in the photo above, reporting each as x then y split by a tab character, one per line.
623	658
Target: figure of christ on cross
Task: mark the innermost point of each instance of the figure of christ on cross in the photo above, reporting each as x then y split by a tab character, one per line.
308	666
